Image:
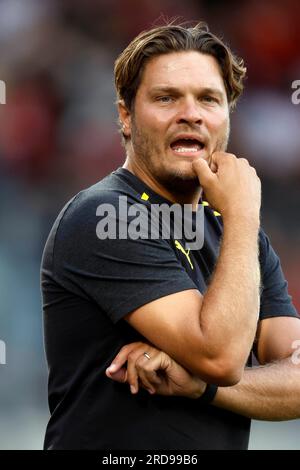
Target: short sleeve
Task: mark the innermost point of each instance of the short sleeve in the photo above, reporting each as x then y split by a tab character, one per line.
275	300
120	275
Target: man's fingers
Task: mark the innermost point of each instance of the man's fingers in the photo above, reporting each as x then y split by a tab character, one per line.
121	357
119	376
132	374
204	173
147	371
139	367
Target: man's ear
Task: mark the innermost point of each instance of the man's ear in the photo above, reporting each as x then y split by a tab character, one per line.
125	118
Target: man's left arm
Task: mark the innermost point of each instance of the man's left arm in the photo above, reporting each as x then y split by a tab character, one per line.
270	391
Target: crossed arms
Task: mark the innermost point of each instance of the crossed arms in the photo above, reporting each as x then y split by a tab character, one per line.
268	392
199	339
193	342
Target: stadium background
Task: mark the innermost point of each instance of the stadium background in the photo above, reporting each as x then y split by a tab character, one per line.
58	135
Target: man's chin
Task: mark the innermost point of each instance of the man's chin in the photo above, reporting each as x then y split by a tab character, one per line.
180	180
184	172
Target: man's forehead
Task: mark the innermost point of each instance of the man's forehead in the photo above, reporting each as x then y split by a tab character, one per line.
182	59
177	68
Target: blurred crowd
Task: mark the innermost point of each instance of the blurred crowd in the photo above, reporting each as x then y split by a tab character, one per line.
58	134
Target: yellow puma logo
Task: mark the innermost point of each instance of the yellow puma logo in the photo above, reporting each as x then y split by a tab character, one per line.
145	197
186	253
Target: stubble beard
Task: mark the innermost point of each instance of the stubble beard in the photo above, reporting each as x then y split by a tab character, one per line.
175	180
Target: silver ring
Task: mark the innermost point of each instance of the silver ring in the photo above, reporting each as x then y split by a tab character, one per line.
147	356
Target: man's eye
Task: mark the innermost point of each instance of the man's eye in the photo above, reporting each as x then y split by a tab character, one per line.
210	99
165	99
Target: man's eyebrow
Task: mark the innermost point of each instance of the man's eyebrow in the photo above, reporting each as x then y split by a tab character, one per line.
175	90
164	89
212	91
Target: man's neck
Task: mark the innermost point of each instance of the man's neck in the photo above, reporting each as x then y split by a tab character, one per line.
186	198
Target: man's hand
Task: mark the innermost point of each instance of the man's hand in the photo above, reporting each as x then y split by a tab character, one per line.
156	371
230	184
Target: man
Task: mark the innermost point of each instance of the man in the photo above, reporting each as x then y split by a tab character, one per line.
176	87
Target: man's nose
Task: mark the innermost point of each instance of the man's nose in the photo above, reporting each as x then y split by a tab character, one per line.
189	112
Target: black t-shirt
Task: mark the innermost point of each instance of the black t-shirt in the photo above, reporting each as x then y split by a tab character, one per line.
89	285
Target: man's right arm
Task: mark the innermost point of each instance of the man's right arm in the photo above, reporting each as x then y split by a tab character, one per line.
212	335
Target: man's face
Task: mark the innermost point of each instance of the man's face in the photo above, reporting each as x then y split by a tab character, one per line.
180	114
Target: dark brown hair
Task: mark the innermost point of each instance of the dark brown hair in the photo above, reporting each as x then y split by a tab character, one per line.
131	62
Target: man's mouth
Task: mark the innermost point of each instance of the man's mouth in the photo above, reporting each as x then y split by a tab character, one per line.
187	146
